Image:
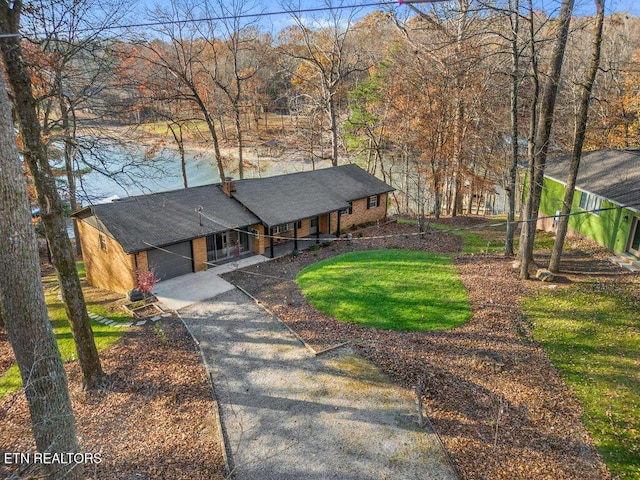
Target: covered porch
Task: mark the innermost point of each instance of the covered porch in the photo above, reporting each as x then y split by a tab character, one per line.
303	243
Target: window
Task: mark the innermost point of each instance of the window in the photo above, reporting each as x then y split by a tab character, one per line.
590	202
103	243
287	227
373	201
348	210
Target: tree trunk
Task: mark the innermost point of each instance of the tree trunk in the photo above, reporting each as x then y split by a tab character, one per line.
543	134
236	110
533	125
69	138
581	126
212	131
333	125
52	212
23	308
515	131
177	136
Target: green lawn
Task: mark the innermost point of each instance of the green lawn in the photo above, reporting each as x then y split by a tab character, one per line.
593	337
390	289
104	335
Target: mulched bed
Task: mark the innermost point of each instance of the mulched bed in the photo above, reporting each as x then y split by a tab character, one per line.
6	354
495	399
154	419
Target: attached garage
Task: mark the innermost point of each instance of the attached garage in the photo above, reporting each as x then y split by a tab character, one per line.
171	261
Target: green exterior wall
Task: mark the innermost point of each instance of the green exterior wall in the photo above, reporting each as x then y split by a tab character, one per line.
609	228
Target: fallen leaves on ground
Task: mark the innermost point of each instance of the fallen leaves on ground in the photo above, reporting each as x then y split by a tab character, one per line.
155	418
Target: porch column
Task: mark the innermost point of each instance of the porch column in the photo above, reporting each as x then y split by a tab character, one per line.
295	235
338	229
318	229
272	255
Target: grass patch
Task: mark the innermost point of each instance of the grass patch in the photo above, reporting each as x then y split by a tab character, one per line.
484	239
593	338
192	129
476	241
104	335
390	289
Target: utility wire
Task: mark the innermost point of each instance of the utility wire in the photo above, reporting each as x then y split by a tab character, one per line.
160	23
404	235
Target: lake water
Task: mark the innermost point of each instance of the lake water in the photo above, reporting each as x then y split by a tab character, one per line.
119	171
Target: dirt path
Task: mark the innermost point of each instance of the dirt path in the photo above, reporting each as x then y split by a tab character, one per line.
290	415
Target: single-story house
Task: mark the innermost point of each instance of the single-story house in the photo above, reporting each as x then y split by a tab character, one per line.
182	231
606	204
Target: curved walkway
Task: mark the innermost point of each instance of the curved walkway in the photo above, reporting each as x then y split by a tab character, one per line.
287	414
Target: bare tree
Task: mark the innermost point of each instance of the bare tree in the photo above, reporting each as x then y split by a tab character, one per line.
52	212
514	23
236	57
177	131
540	148
23	308
326	58
179	68
580	131
71	66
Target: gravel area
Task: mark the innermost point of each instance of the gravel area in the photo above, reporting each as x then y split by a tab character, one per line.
493	395
288	414
154	419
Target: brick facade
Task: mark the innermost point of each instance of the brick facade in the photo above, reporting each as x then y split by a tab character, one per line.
259	242
107	265
199	249
360	214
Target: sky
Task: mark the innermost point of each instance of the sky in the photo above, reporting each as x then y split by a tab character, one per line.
587	6
276	23
583	7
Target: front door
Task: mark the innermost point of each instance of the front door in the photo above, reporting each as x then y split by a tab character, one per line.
634	237
313	225
217	246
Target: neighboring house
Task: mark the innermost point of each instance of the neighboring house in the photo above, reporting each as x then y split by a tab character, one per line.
608	194
183	231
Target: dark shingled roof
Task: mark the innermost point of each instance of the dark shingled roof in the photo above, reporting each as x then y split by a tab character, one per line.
160	219
611	174
169	217
287	198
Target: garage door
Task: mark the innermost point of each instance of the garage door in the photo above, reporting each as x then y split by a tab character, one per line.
171	261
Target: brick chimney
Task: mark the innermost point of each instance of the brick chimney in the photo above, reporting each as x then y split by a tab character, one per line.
228	186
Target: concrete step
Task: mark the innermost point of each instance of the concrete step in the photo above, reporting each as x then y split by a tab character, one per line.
626	261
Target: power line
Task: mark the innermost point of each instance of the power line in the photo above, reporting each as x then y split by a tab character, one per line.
403	235
160	23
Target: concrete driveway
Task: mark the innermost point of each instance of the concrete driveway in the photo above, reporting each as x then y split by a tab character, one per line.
287	414
179	292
